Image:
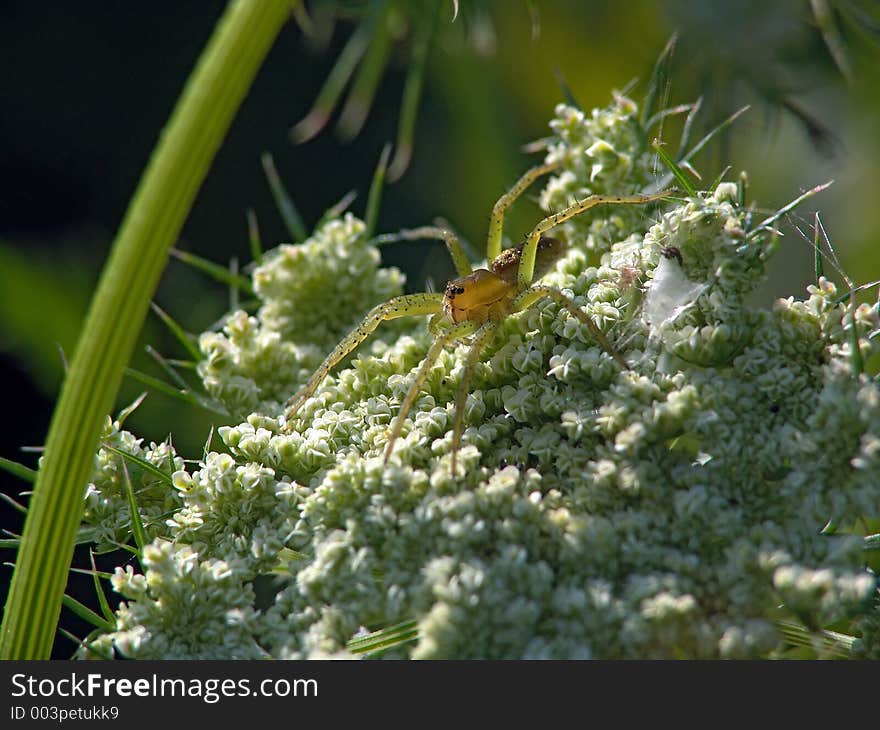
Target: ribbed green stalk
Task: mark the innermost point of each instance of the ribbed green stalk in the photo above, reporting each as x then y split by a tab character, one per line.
179	164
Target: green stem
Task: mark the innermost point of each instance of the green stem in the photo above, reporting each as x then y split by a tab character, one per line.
175	172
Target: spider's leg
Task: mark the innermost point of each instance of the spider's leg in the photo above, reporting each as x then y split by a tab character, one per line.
435	324
480	339
527	262
496	222
453	245
538	292
463	329
403	306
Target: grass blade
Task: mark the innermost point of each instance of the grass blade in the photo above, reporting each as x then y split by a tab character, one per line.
711	134
289	214
87	645
254	236
123	415
824	643
688	128
184	395
137	526
182	336
17	506
170	371
658	82
215	271
142	463
818	268
332	89
384	639
374	197
337	209
412	92
677	172
87	614
788	208
99	591
19	470
363	89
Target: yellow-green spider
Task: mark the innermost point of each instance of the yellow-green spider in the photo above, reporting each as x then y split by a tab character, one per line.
474	304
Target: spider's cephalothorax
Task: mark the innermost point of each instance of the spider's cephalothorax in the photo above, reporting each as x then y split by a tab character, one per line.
476	302
486	294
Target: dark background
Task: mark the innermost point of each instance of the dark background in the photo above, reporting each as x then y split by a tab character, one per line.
86	88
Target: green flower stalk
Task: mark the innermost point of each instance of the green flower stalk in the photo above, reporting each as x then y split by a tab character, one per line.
674	509
155	216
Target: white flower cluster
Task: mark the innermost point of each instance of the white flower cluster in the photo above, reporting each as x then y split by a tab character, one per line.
107	509
312	294
675	509
603	152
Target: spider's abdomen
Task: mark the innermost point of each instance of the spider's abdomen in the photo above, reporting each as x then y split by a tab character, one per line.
506	264
478	297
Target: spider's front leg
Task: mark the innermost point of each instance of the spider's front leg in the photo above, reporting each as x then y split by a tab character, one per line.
407	305
534	294
453	245
527	262
456	332
481	338
496	221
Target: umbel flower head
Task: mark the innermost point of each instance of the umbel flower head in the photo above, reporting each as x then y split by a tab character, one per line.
674	509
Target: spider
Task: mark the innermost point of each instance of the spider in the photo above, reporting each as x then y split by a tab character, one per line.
476	303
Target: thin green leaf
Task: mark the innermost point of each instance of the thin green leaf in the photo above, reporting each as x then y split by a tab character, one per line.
384	639
207	447
99	591
10	544
17	506
142	463
565	88
412	91
718	178
363	89
188	144
165	365
182	336
535	18
374	197
818	268
253	227
102	574
215	271
289	214
337	209
677	172
123	415
688	129
333	87
137	526
182	395
824	643
862	287
181	364
658	82
788	208
233	291
19	470
664	114
87	644
824	17
87	614
742	186
711	134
